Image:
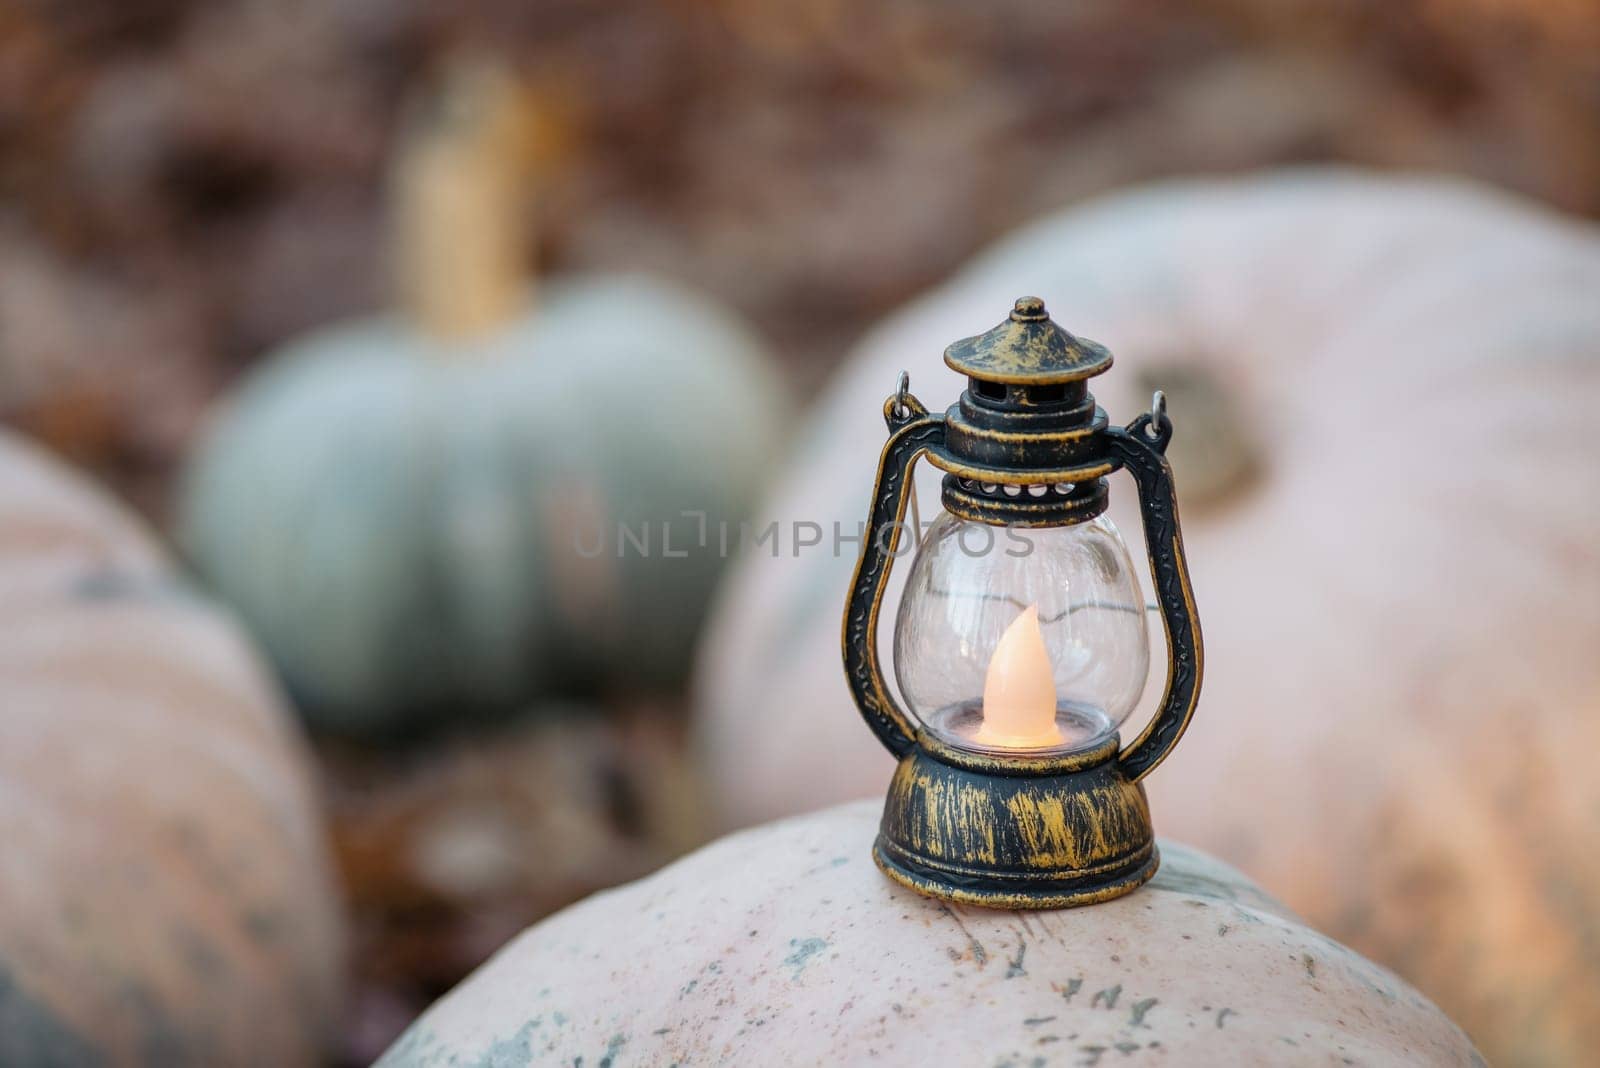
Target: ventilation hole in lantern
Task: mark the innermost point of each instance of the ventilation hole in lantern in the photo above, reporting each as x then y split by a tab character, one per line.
989	390
1037	490
1013	491
1047	394
989	487
1064	488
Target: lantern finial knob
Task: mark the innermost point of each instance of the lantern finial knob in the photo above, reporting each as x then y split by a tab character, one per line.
1028	310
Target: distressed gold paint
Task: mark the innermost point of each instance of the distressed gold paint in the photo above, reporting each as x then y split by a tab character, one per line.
974	811
958	818
1004	899
1042	823
933	841
1077	830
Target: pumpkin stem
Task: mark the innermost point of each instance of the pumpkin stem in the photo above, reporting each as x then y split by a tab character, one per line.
459	200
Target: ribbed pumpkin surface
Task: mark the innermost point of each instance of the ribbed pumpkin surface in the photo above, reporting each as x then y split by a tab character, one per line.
165	895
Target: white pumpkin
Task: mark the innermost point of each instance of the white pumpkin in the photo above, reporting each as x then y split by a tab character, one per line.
493	492
165	890
1401	598
785	945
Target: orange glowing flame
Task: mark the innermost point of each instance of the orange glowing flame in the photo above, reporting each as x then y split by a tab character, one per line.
1019	692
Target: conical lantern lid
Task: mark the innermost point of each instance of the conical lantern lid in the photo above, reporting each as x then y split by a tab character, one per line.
1028	348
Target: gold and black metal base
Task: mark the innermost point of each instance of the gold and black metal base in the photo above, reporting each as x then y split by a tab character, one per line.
1015	832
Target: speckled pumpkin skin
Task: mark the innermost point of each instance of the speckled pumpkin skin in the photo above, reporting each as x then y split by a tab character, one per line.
1401	706
418	528
165	894
785	945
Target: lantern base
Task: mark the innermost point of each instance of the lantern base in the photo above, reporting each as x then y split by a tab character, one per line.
1015	832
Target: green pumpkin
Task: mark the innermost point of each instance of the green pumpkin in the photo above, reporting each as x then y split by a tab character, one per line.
459	507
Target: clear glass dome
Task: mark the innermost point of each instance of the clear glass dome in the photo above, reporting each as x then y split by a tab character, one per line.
970	583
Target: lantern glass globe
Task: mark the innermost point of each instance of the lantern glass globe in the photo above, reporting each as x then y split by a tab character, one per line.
970	581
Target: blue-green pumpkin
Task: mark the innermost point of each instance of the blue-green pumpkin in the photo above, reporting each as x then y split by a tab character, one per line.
495	491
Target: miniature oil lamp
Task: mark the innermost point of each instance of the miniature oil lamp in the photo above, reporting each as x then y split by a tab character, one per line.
1020	644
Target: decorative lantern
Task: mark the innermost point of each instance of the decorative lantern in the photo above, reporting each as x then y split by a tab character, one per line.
1020	644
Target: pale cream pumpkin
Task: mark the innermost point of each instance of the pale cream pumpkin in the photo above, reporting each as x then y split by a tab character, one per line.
165	891
785	945
1391	525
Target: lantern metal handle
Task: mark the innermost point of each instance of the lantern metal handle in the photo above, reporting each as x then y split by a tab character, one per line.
913	432
1140	447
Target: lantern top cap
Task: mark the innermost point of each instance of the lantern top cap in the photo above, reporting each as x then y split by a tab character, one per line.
1029	349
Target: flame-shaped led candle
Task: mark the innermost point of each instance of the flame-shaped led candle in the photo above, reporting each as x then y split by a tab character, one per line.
1019	691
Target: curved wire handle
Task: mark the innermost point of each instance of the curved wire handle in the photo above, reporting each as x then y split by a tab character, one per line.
1141	448
912	432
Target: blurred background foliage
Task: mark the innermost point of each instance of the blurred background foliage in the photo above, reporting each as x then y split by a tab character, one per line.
185	185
